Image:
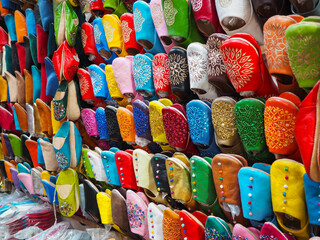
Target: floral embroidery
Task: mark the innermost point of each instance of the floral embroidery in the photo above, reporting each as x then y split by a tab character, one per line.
225	3
138	20
279	127
303	55
178	69
157	14
59	110
213	234
161	72
198	123
65	208
126	31
97	34
112	84
169	12
239	66
250	126
96	82
223	120
141	72
275	46
84	84
109	30
267	237
136	216
216	65
177	126
112	123
89	121
198	67
62	160
84	38
102	125
196	5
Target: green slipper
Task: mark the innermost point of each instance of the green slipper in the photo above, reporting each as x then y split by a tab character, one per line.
67	187
217	228
86	162
16	145
115	7
180	22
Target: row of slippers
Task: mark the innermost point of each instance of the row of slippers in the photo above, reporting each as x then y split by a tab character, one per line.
223	186
143	75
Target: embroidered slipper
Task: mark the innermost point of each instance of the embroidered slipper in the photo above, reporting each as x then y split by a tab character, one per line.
142	122
241	232
129	35
171	225
277	53
99	83
217	228
176	15
160	24
251	79
61	143
126	170
304	72
258	207
89	121
65	62
288	201
67	188
86	88
225	168
226	132
112	123
269	229
176	127
191	227
251	112
206	17
160	68
280	134
88	43
123	73
113	87
102	124
137	214
65	23
143	76
101	41
112	28
179	73
243	19
60	101
126	125
146	34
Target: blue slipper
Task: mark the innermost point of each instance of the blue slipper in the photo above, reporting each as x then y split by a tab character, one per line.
52	79
110	168
31	22
102	124
146	34
99	82
114	149
50	189
61	145
34	49
7	4
15	119
36	80
8	59
10	23
143	76
46	13
101	41
141	120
